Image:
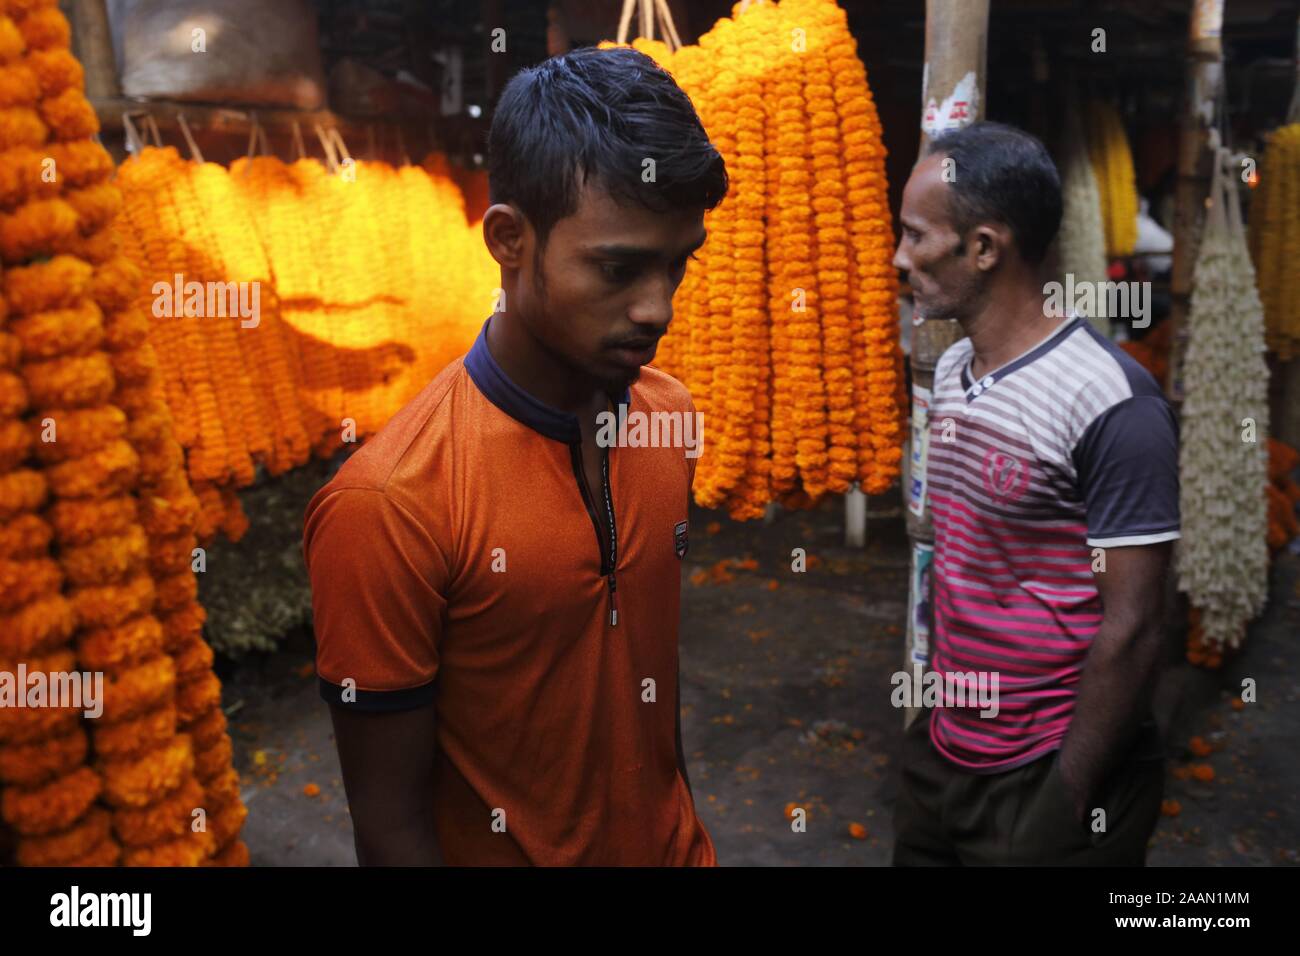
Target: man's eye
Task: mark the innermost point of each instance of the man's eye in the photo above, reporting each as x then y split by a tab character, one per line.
617	271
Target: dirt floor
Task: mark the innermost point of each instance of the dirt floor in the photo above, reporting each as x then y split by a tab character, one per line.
785	685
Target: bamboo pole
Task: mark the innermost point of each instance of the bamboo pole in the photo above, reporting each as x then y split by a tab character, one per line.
94	45
1200	112
952	96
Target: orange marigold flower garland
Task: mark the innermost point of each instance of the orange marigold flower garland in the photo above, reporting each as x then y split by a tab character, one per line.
46	789
102	544
877	359
824	391
756	36
833	260
711	339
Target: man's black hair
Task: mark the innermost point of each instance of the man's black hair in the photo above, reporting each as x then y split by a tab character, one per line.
1003	174
599	114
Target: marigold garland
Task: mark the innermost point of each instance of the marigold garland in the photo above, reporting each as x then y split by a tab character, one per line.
167	819
191	849
136	735
109	605
139	782
107	853
33	763
51	807
1274	237
61	849
1112	164
787	333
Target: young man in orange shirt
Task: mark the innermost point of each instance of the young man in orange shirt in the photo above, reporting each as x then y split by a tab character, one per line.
496	589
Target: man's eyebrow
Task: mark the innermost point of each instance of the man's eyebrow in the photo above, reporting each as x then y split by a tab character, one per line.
621	251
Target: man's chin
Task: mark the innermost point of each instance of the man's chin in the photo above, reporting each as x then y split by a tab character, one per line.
616	385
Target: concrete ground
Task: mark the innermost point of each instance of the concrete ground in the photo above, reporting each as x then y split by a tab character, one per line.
785	686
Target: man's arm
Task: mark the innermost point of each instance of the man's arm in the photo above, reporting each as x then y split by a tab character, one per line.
1119	674
378	581
387	761
681	754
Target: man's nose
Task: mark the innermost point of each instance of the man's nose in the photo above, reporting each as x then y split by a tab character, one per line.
655	308
901	259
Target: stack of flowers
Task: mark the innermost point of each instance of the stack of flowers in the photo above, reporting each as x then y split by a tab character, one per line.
1274	239
47	789
344	266
1112	165
1283	495
1223	555
1082	232
1152	352
786	332
108	474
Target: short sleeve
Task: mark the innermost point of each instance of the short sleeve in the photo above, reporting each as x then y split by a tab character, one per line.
1127	466
378	585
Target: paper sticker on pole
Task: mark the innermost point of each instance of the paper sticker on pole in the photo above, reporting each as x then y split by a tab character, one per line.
959	108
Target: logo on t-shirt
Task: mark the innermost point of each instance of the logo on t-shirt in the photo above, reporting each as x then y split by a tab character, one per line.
1005	475
680	544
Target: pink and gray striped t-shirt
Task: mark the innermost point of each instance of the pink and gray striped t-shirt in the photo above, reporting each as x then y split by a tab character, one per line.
1068	448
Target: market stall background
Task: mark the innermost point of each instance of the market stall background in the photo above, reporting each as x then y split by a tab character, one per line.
348	263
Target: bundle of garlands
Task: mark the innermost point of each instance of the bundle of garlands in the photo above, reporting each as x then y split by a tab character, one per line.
96	516
1152	352
1275	239
1082	232
1112	165
1223	554
1283	495
786	331
311	304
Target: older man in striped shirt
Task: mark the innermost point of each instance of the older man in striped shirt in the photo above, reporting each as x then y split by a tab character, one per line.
1053	480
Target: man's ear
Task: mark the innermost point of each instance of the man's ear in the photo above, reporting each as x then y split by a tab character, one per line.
992	245
505	232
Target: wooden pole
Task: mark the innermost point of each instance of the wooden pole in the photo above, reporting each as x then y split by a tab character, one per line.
952	96
94	43
1200	112
1286	415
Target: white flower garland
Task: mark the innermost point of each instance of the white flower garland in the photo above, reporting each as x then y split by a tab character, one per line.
1083	234
1223	554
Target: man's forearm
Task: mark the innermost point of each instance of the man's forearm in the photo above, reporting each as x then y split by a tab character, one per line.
1114	693
412	844
681	753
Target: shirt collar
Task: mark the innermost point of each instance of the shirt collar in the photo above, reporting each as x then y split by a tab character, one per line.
518	404
974	389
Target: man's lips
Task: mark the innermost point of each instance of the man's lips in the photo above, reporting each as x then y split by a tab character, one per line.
635	353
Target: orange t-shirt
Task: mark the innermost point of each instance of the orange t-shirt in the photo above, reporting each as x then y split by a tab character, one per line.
453	558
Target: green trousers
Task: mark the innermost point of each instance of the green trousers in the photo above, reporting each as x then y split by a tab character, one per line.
946	816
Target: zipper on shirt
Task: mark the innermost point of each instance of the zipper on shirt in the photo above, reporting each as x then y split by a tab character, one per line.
608	556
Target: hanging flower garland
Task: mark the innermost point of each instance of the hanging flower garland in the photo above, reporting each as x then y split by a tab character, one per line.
1112	165
786	332
87	369
1274	237
1223	555
1082	232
